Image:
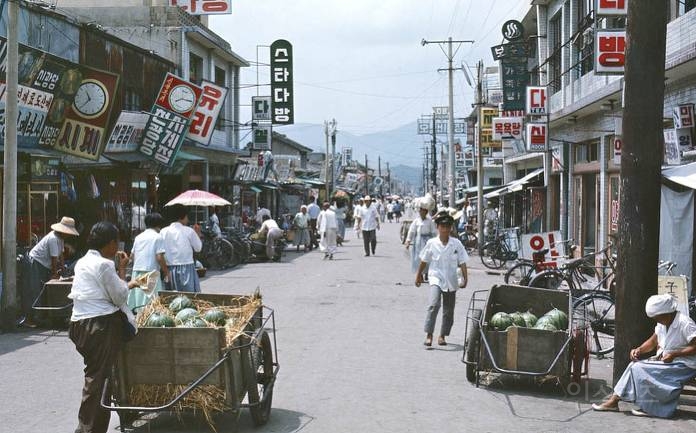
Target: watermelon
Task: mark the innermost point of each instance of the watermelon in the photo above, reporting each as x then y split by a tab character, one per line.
545	325
159	320
215	316
179	303
529	319
559	319
185	315
195	322
518	319
501	321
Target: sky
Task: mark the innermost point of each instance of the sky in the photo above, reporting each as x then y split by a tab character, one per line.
361	61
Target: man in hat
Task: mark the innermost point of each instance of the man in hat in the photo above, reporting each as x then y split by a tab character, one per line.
369	222
443	255
46	261
654	384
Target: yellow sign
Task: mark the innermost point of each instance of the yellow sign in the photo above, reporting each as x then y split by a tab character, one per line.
486	118
486	140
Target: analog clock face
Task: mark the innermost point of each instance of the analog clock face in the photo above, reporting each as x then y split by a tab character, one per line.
182	99
90	99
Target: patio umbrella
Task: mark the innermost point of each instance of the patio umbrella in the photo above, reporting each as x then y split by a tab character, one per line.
196	197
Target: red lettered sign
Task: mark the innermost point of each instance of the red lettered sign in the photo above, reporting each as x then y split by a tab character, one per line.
537	102
537	137
204	7
207	112
611	8
610	51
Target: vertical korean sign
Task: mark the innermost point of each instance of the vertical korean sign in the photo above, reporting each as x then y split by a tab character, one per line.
207	112
169	119
281	83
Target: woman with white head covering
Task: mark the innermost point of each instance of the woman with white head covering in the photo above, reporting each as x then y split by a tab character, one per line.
654	384
422	228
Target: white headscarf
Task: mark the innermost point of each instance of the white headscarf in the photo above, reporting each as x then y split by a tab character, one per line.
660	304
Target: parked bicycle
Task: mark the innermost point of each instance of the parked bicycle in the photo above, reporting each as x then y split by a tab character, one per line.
496	253
522	272
469	238
217	253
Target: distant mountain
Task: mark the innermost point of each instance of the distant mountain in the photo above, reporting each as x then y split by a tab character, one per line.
402	147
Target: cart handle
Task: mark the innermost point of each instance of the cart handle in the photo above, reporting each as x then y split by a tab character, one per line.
524	373
37	306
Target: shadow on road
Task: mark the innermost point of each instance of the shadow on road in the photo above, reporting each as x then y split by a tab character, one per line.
21	338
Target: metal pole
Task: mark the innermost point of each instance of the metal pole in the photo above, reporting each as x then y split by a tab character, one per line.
451	177
479	160
367	184
326	160
433	155
333	156
9	306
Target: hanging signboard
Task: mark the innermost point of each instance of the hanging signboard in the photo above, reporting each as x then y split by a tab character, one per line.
127	132
486	118
610	52
609	8
169	120
207	112
537	101
261	108
204	7
683	116
537	137
513	30
262	137
504	51
534	242
672	151
684	138
507	128
282	83
676	286
617	144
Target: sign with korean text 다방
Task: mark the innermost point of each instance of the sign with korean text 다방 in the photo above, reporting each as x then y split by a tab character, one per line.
261	108
537	101
207	111
83	132
46	86
608	8
127	132
282	83
610	51
169	120
204	7
672	152
537	137
683	116
507	128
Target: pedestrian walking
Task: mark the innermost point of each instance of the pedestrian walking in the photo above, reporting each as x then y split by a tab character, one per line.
421	230
397	211
147	256
46	261
180	242
100	322
339	209
390	211
381	208
443	255
328	228
300	224
313	210
369	221
357	209
270	230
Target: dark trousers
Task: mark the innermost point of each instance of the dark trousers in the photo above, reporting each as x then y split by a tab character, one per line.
313	238
35	277
98	340
369	240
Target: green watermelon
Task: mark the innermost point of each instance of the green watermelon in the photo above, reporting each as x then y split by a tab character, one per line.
159	320
529	319
185	315
559	319
179	303
518	319
545	325
215	316
195	322
501	321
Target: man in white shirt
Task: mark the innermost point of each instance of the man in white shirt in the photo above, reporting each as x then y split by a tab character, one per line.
328	228
443	255
271	231
147	256
180	242
214	222
313	210
260	214
369	221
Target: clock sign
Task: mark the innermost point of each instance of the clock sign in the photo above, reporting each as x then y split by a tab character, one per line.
91	99
182	98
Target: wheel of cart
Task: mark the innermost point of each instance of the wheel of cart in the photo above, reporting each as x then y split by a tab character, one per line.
52	307
523	351
191	359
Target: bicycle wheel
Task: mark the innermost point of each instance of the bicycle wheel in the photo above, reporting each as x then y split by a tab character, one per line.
597	312
520	274
491	255
221	254
552	279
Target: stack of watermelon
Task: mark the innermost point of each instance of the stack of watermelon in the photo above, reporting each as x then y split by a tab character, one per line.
182	313
554	320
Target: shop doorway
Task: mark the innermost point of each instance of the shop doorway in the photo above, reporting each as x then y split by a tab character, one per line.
589	217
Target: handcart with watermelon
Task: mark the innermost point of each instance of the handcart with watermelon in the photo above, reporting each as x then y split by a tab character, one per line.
205	364
502	334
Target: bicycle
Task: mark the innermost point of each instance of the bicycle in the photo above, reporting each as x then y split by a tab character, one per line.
522	272
593	304
217	253
495	254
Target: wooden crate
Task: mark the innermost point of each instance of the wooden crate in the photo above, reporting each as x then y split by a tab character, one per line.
525	349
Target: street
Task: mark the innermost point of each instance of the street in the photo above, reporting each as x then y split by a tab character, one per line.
352	360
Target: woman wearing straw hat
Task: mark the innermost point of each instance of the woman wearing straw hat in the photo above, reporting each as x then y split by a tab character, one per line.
46	261
421	230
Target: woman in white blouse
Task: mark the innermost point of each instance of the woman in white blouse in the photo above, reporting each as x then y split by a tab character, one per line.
98	323
421	230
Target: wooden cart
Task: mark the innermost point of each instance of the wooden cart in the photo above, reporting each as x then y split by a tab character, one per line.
517	350
199	356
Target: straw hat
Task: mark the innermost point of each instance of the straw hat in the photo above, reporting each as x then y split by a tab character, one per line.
66	226
367	197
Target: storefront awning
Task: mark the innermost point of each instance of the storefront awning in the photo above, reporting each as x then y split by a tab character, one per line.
312	182
127	157
266	186
76	162
473	191
515	185
185	156
255	189
683	175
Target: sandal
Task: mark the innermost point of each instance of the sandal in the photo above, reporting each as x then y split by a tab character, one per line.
428	341
441	341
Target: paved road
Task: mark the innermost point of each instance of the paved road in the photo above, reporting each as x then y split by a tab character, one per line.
352	360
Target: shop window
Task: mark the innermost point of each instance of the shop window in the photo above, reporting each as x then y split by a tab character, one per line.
684	6
495	181
586	152
195	69
132	99
554	60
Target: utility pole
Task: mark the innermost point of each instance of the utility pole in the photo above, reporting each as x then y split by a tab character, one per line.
367	184
639	225
388	179
433	155
333	155
450	132
329	130
379	173
479	159
9	306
